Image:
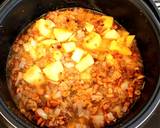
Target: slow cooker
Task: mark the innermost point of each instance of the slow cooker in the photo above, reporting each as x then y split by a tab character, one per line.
139	17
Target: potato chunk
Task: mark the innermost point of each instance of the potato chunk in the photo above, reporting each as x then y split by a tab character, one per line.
62	34
125	51
111	34
48	42
123	33
33	75
121	49
108	21
110	59
45	27
57	55
129	40
77	55
69	47
31	44
52	70
86	75
35	49
92	41
85	63
89	27
30	48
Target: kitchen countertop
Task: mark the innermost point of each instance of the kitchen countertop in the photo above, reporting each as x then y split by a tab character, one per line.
152	122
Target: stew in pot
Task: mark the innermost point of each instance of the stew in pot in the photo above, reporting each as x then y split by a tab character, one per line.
75	68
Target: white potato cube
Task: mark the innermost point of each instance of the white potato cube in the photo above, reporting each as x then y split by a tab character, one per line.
86	75
110	59
112	34
62	34
92	41
45	26
123	33
89	27
52	70
108	21
114	45
40	51
30	47
69	47
48	42
129	40
77	55
85	63
57	55
121	49
33	75
125	51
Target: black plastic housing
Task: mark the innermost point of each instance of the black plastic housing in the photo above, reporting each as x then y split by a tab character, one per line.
134	15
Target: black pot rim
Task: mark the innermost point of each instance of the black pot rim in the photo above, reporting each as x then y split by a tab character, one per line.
149	108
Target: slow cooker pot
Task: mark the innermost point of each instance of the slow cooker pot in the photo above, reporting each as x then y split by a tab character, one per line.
134	15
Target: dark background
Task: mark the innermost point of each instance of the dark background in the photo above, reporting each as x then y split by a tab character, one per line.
152	122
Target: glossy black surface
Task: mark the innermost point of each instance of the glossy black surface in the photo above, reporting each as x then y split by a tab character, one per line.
132	14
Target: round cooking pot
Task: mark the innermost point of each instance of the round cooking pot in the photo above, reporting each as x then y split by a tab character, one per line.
134	15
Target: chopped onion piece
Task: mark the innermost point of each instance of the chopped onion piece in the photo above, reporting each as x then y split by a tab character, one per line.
41	113
57	111
124	85
110	116
98	120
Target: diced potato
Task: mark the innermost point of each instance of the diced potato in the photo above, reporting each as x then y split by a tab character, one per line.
33	53
69	47
110	59
54	77
39	38
69	64
48	42
125	51
40	51
85	63
104	45
129	40
30	47
112	34
121	49
72	38
92	41
33	75
114	46
45	27
32	42
123	33
77	55
121	40
52	70
57	55
62	34
108	21
86	75
36	52
89	27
